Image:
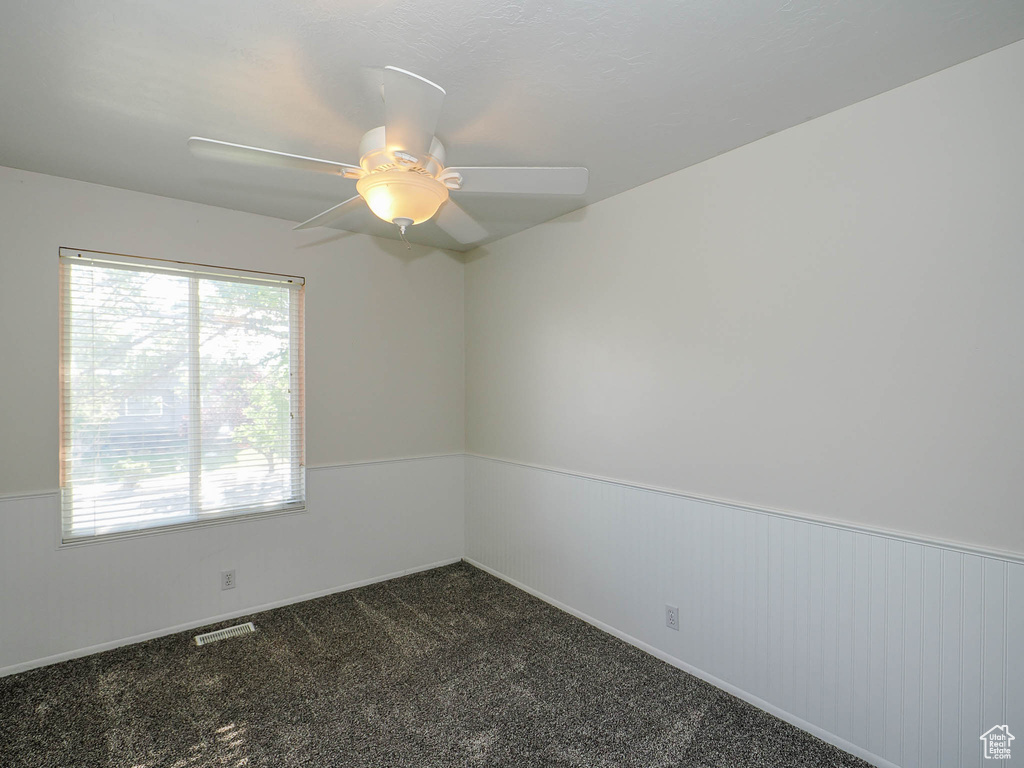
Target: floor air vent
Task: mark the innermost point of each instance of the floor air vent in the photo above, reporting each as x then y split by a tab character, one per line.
223	634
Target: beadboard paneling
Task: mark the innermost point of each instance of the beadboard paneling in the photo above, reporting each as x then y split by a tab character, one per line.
364	522
900	651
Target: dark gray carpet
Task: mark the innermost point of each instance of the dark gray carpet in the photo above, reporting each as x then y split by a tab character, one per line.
452	667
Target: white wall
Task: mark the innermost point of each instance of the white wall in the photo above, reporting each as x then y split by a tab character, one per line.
384	343
827	321
364	522
898	651
384	379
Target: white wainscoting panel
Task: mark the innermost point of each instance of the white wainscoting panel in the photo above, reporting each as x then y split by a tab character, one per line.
364	522
901	651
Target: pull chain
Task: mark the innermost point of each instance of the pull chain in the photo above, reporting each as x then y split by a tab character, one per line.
401	231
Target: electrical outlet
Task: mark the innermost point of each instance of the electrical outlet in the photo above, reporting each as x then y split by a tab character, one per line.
672	617
227	579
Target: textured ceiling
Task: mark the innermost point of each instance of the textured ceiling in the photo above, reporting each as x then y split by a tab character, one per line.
109	92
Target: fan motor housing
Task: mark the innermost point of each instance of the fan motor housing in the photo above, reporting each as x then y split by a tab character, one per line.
375	156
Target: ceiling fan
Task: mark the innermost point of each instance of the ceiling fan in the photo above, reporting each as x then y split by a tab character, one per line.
401	174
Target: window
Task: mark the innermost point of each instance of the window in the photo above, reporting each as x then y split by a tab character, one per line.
181	394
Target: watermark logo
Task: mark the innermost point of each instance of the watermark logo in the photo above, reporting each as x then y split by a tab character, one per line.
996	743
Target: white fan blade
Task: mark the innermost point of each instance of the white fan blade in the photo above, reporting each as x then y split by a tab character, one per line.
239	153
411	107
524	181
331	215
459	224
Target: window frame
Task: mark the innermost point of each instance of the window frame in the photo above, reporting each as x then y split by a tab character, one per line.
296	286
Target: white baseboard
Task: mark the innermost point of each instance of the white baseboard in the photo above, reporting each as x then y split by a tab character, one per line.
814	730
57	658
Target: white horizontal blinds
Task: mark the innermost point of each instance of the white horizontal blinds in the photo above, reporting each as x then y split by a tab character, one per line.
126	415
245	405
182	394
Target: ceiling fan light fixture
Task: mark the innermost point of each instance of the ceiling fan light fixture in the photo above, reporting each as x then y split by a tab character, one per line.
400	194
402	176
